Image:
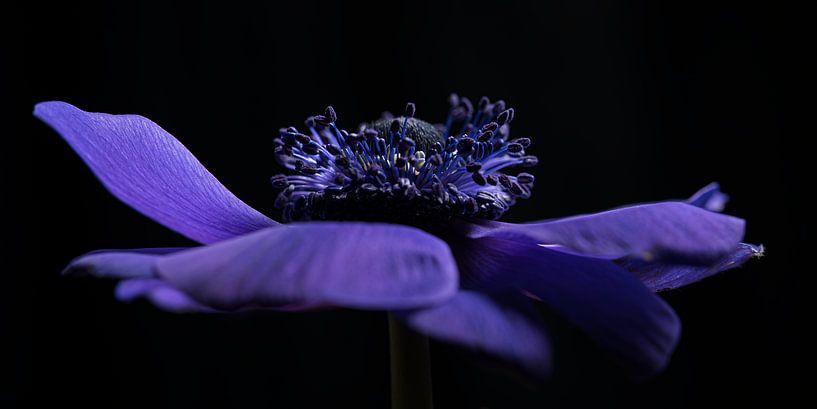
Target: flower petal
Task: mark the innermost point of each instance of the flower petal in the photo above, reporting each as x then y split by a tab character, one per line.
666	276
710	198
660	231
160	294
148	169
598	296
122	264
480	322
358	265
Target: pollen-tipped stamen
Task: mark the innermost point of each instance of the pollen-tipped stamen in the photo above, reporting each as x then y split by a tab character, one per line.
403	169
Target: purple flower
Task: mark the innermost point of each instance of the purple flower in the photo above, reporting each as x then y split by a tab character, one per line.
400	216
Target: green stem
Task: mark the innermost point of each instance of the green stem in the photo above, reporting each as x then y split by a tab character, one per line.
410	367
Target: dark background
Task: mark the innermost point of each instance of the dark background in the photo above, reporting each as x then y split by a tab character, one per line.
625	101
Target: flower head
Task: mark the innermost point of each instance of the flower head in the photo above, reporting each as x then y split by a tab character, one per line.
400	216
403	169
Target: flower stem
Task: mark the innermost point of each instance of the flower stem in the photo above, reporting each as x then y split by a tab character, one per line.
410	367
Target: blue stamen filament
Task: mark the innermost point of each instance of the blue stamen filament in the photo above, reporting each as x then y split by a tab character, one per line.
385	175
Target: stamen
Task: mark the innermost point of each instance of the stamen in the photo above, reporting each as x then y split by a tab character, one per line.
402	169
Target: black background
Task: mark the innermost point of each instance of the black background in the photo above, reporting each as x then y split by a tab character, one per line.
625	101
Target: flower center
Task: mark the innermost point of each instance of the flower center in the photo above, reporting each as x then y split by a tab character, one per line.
403	170
424	134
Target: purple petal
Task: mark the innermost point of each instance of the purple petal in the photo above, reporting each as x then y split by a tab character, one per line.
148	169
710	198
291	267
598	296
666	276
358	265
667	230
137	269
160	294
479	322
122	264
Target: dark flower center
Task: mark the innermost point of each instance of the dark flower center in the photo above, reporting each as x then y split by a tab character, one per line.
424	134
403	170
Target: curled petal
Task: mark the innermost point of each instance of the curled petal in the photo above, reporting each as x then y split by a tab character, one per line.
602	299
710	198
484	323
290	267
148	169
659	231
357	265
666	276
120	264
160	294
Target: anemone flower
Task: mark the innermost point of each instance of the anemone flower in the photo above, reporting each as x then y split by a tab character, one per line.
401	216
